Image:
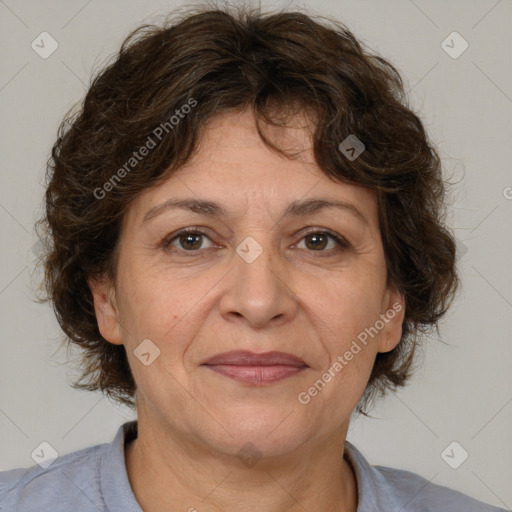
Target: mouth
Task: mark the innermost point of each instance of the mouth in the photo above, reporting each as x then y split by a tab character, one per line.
256	369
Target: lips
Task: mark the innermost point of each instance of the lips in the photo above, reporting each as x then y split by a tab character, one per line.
246	358
256	369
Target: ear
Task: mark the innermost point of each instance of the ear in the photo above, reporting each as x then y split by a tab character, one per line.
392	316
105	307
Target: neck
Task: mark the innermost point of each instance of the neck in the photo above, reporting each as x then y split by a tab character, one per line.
172	473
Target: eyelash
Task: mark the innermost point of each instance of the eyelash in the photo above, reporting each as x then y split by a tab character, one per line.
343	244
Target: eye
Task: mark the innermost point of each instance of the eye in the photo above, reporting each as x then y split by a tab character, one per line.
189	239
317	241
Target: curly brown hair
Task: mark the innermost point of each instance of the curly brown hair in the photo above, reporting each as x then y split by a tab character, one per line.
226	59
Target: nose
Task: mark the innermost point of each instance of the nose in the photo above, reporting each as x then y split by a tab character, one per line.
260	286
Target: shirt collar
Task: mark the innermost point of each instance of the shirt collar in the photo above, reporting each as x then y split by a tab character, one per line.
366	486
115	485
118	494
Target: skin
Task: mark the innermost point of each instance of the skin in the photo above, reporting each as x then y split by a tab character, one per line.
297	297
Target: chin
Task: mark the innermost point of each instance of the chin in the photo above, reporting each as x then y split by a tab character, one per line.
270	435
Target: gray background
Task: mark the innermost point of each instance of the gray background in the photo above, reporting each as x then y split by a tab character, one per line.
463	390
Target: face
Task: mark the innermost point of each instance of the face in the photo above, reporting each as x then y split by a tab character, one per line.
255	278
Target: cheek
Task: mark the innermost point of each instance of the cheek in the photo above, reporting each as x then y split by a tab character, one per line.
341	317
158	303
344	307
343	311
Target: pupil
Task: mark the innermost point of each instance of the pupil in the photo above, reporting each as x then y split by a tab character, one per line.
316	237
190	237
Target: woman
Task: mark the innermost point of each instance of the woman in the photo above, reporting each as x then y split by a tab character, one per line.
245	237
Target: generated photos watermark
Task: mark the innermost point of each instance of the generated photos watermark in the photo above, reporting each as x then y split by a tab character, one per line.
304	397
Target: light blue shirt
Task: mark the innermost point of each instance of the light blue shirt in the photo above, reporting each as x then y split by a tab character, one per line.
95	480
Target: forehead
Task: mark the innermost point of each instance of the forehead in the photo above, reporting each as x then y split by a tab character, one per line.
235	169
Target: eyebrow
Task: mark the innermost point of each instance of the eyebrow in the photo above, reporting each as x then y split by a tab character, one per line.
213	209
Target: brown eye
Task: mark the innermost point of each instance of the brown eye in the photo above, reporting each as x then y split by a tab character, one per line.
318	241
190	241
187	240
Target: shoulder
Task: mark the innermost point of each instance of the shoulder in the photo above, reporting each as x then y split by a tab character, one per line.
422	495
70	482
395	489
